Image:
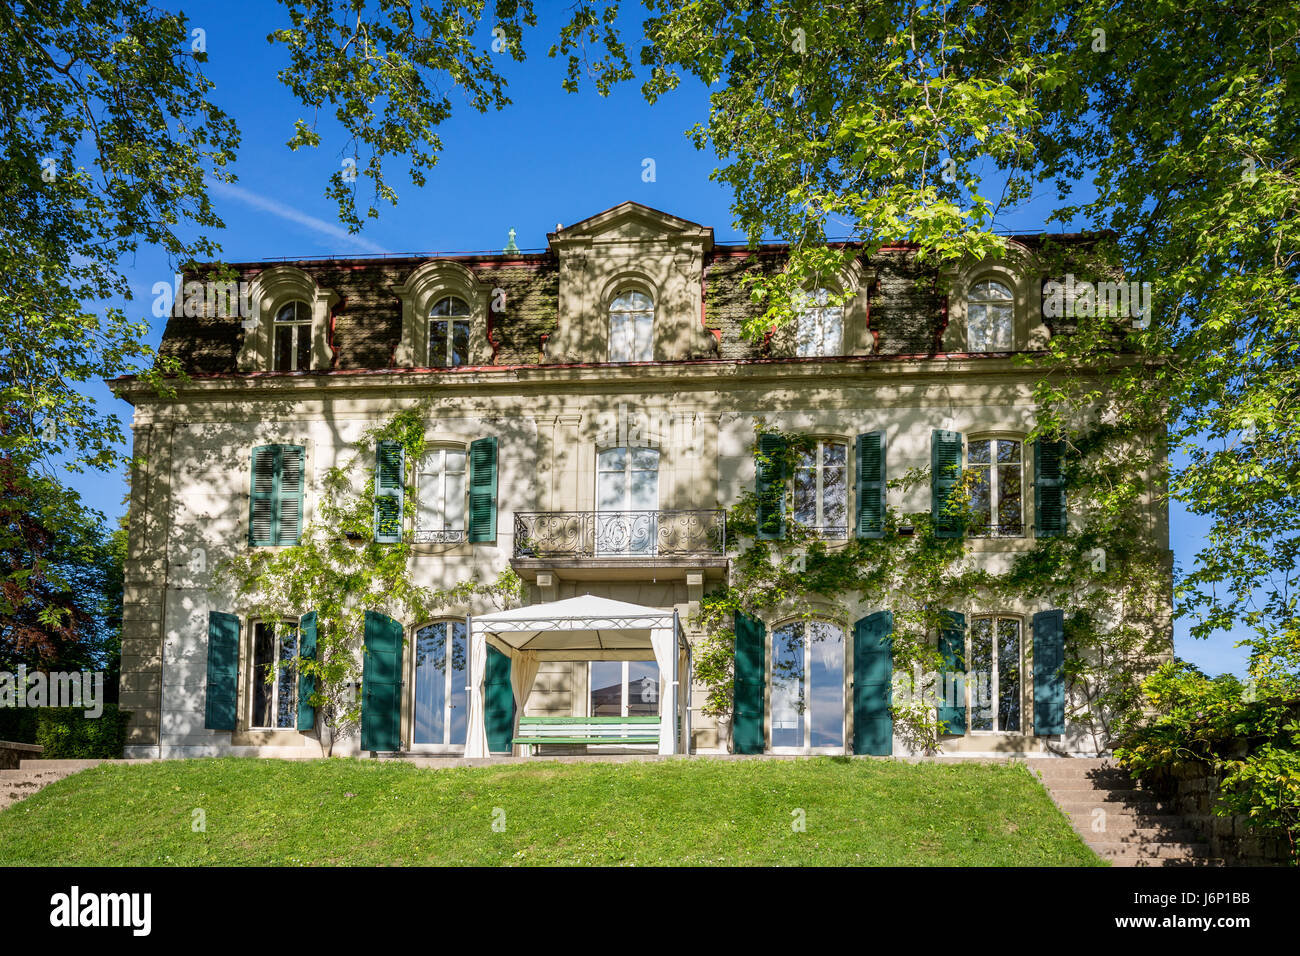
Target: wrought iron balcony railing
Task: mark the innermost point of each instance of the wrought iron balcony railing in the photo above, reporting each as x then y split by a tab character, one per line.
611	534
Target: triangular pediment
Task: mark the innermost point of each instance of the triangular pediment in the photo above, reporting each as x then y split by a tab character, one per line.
634	222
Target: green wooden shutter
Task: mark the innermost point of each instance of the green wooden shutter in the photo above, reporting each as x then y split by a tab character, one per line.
1049	488
873	678
390	487
223	668
748	687
381	684
871	484
1049	678
498	702
262	495
945	477
306	684
483	490
769	485
952	645
293	459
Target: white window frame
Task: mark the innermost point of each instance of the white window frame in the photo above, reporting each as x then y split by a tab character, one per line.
452	319
254	667
995	679
300	325
978	307
806	747
819	468
995	482
812	334
443	535
623	708
448	689
633	317
626	513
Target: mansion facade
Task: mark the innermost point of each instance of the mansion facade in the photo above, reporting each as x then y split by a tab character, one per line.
591	419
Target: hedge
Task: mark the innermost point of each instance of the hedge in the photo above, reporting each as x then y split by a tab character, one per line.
18	724
67	733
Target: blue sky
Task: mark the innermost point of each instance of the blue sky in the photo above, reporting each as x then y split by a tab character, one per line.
550	157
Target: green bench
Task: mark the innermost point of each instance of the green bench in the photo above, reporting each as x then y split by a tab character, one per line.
534	731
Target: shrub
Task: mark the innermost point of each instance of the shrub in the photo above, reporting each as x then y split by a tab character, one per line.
18	724
1248	733
67	733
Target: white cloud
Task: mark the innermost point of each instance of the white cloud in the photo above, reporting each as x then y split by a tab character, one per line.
323	229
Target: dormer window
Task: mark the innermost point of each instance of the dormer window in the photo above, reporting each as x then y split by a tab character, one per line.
990	318
292	337
631	328
821	326
449	333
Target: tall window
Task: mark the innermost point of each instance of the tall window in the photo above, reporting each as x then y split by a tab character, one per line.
449	333
821	489
627	500
807	685
631	328
990	318
275	677
995	669
440	496
821	326
441	704
996	496
623	689
293	337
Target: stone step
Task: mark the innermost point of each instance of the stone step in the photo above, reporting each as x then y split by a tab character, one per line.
1152	851
1103	794
1127	835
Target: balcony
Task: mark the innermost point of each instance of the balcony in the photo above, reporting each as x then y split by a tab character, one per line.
621	536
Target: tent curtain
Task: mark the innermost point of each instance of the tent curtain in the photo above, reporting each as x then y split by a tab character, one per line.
523	673
664	642
476	733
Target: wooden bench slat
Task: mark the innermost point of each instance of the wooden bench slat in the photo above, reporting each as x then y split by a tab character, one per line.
542	721
586	740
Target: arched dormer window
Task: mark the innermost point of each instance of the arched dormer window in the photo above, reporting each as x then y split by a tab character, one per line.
631	327
821	326
449	322
292	342
990	318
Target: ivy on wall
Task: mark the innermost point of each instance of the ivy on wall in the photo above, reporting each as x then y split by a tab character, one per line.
1115	611
339	571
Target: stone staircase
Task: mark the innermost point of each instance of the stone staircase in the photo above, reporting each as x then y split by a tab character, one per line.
1121	822
20	784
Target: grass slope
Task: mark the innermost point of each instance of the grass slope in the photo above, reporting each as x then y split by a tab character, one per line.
706	812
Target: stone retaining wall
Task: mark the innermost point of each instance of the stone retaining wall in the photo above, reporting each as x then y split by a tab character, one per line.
1193	788
12	753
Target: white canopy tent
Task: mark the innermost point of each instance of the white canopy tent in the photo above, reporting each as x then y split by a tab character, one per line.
583	628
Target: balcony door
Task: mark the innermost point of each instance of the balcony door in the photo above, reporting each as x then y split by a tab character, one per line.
627	501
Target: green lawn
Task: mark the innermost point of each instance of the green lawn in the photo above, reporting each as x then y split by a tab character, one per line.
675	812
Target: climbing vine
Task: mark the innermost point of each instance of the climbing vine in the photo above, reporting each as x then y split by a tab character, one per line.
339	571
1115	624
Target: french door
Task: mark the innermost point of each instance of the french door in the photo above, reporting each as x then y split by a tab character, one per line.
807	687
441	703
627	501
